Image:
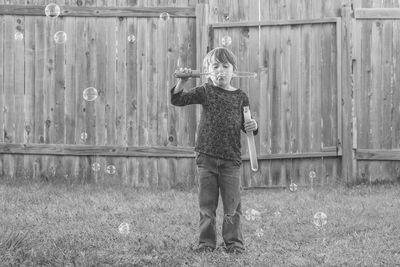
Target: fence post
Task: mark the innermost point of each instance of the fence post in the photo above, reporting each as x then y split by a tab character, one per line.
348	156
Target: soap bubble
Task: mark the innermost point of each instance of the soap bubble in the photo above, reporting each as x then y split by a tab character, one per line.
123	228
259	232
96	166
293	187
277	214
90	94
226	40
84	136
164	16
19	36
320	219
110	169
60	37
52	170
131	38
252	214
313	174
52	10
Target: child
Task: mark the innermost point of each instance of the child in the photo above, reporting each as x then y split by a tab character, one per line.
218	147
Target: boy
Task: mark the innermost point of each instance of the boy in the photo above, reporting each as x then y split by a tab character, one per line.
218	147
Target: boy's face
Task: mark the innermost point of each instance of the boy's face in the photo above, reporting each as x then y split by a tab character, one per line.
221	73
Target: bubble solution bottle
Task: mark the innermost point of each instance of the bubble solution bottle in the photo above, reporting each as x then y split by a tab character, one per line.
250	141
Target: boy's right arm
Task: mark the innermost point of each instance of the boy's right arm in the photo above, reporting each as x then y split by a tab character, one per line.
193	96
179	86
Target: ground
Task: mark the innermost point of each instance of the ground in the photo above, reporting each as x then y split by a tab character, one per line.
78	225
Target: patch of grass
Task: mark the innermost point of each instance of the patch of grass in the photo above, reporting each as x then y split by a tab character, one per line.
77	225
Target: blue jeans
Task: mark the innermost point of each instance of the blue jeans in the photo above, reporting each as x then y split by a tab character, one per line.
219	175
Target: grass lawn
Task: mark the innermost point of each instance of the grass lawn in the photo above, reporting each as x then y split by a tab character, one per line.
77	225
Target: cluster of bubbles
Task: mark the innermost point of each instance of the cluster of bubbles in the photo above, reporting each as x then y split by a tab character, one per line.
53	11
320	219
110	169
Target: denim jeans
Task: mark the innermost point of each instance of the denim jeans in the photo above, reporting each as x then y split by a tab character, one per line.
219	175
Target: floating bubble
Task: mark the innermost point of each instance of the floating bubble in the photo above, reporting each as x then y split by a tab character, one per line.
52	10
277	214
165	16
123	228
60	37
320	219
312	174
19	36
252	214
52	170
96	166
226	40
110	169
131	38
84	136
293	187
90	94
259	232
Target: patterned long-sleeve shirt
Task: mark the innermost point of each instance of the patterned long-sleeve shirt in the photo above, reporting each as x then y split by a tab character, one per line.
221	119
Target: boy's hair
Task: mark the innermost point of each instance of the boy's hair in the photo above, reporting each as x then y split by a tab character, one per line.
221	54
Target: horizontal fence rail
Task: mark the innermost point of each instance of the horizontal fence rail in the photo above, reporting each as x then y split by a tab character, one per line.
377	13
378	154
97	150
136	151
273	23
70	11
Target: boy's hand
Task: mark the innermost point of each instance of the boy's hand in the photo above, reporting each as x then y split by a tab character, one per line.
184	71
250	125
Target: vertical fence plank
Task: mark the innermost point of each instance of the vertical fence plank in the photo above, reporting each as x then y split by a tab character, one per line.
286	109
29	102
72	94
142	42
387	93
19	91
152	93
162	102
3	41
132	97
121	78
348	157
81	83
9	105
396	95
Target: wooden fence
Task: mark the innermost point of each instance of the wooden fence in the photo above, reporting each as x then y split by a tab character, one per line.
307	55
131	124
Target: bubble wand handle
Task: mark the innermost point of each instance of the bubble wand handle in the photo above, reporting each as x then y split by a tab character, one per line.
250	142
193	74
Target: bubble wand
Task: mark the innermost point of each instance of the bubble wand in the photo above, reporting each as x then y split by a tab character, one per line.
250	141
198	74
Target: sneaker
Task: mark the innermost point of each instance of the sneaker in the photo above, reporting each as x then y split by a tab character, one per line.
202	249
234	250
